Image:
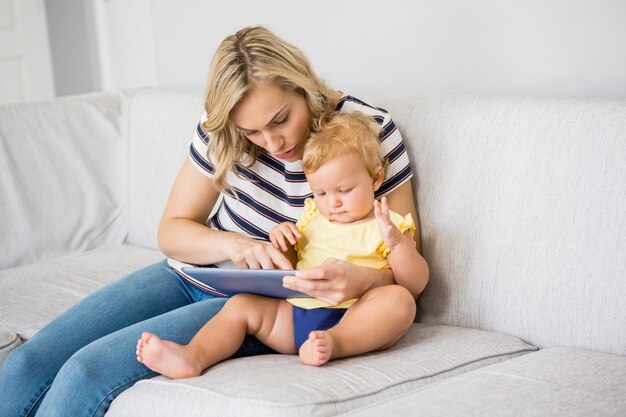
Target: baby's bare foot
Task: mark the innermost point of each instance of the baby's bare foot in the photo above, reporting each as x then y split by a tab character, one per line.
167	358
318	349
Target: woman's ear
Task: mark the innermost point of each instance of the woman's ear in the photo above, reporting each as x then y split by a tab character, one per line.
379	176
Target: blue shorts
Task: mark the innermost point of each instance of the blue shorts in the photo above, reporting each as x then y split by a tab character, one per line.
305	321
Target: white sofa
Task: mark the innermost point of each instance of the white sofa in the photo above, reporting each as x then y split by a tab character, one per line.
522	203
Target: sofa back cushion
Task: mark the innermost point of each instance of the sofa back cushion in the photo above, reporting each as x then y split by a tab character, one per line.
62	176
161	126
522	203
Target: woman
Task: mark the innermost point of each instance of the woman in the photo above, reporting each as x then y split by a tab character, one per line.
262	101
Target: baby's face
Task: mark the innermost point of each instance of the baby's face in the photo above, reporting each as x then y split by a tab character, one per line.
343	190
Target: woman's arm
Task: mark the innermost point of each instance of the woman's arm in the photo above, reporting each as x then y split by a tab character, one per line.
183	234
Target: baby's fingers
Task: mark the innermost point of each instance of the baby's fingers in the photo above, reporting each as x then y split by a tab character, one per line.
385	207
294	229
282	242
381	215
293	233
274	240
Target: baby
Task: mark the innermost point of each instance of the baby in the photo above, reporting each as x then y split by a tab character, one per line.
343	221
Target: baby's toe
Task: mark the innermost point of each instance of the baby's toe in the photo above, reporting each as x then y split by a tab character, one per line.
145	337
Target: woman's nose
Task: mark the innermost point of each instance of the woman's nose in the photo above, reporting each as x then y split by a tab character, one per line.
274	142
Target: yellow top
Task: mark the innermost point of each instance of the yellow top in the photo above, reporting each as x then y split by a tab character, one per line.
359	244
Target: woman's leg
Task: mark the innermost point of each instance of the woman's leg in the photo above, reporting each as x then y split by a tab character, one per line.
86	356
83	359
28	372
91	379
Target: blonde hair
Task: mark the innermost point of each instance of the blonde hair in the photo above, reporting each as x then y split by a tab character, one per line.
345	134
250	56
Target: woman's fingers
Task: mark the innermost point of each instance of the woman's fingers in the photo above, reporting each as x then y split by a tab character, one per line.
260	255
268	257
263	257
306	280
252	262
312	273
279	260
314	287
326	282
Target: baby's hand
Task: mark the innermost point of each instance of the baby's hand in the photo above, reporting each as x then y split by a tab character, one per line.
282	233
389	232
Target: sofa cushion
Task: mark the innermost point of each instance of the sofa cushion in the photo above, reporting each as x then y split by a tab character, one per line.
34	294
62	176
8	342
551	382
161	126
522	203
280	385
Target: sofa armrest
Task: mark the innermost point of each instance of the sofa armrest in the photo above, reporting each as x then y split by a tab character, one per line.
63	182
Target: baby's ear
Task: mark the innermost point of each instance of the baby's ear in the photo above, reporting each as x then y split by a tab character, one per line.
379	176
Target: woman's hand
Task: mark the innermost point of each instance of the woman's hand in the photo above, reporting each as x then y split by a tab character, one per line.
254	254
336	281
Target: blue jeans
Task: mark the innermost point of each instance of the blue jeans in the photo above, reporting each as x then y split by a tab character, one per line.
77	364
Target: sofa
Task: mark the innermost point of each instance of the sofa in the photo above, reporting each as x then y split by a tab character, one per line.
522	203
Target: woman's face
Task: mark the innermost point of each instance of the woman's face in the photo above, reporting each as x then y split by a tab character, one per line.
274	119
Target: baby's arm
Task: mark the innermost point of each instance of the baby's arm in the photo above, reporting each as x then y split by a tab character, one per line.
284	237
404	259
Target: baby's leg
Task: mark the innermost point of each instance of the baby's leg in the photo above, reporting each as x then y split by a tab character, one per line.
268	319
375	322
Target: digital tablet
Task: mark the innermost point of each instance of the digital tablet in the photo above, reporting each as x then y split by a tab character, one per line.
231	281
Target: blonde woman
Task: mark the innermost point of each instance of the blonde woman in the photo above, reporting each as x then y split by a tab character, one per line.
263	100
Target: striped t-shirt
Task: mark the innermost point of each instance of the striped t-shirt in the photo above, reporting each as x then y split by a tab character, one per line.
273	191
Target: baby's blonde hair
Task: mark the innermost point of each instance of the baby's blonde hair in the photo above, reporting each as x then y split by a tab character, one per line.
251	56
344	134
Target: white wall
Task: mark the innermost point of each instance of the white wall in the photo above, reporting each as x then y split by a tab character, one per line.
535	47
25	63
126	43
73	46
